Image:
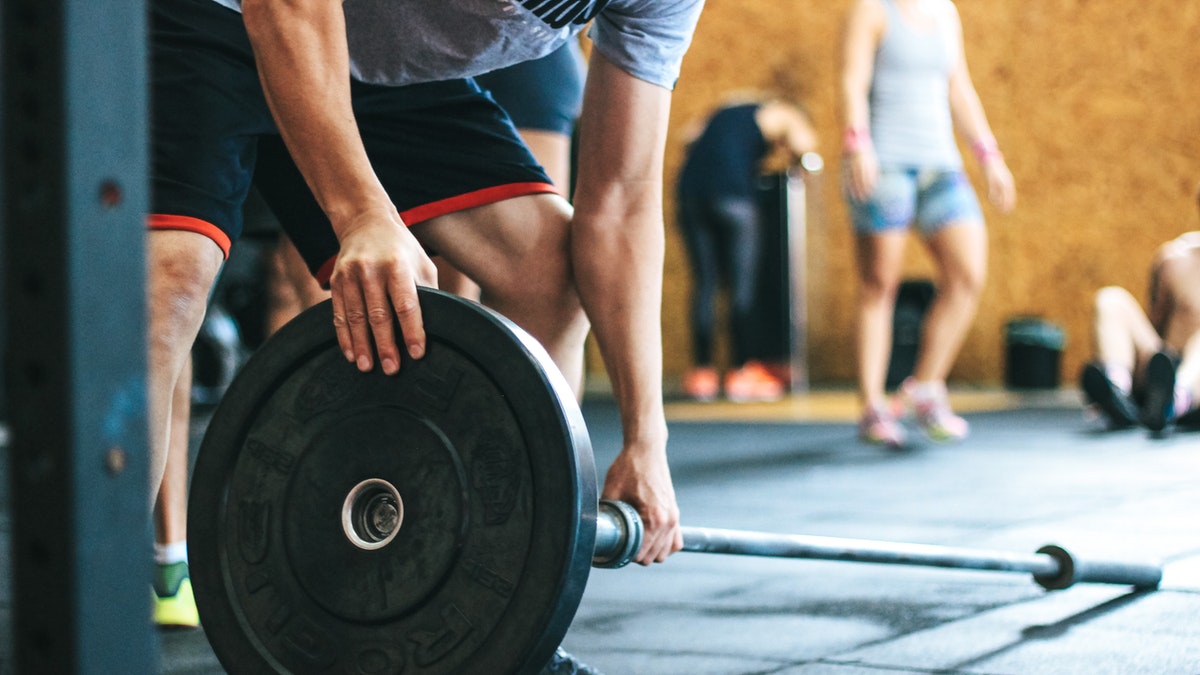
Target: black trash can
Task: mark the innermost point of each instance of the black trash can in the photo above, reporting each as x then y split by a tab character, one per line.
912	302
1034	353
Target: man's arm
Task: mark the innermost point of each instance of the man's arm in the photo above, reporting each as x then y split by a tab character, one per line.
617	244
304	65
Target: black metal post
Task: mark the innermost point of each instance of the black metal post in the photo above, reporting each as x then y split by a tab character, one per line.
75	126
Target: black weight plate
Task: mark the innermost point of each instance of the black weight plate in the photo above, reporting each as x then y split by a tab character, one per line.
486	447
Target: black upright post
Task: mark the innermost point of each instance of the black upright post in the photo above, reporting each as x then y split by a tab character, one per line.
75	126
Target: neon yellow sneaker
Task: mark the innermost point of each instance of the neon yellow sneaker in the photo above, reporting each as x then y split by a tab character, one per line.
174	609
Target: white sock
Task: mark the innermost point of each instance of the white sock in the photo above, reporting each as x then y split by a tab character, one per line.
927	391
169	554
1183	400
1119	376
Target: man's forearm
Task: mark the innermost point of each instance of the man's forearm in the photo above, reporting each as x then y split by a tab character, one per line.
618	269
304	64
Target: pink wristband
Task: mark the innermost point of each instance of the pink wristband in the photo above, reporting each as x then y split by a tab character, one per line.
856	139
985	149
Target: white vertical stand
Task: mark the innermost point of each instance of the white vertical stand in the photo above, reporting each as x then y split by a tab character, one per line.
796	203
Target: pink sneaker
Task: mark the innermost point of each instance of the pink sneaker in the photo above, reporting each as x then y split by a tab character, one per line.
931	407
879	426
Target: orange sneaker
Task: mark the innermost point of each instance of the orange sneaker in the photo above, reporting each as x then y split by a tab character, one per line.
702	384
752	382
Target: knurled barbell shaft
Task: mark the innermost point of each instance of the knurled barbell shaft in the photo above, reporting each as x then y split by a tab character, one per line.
619	535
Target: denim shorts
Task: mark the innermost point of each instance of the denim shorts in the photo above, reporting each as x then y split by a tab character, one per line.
928	198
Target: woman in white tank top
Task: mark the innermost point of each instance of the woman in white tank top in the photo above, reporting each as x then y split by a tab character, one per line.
905	90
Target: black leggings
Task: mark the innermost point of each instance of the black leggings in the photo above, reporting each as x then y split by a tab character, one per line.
722	237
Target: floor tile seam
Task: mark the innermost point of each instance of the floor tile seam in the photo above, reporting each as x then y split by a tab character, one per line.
1180	591
967	536
1177	557
891	668
778	665
980	614
1076	510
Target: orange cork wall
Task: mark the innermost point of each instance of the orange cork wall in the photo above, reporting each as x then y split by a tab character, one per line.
1096	106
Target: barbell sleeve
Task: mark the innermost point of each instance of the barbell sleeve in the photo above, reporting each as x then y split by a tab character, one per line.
619	533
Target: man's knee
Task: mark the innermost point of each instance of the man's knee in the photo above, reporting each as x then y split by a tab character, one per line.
181	271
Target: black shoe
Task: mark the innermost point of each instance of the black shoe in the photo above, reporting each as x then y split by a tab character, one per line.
1158	409
1188	420
1114	403
563	663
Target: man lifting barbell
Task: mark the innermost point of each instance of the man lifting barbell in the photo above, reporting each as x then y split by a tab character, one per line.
369	172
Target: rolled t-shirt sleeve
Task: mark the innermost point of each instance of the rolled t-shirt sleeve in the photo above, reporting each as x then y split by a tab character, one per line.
647	38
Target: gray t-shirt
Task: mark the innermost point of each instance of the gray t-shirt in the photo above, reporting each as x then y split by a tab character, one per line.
910	92
399	42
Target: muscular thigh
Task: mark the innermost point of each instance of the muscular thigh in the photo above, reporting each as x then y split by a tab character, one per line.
523	240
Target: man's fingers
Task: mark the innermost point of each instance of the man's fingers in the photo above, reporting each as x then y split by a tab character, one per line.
379	318
341	327
350	318
662	535
407	307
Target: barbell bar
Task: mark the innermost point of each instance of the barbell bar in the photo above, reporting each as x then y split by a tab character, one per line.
619	532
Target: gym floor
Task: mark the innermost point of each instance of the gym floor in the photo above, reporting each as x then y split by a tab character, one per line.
1033	472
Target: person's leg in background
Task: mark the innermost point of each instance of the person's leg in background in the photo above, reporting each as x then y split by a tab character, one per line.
1123	342
291	288
960	252
701	382
951	224
747	380
287	286
880	258
881	224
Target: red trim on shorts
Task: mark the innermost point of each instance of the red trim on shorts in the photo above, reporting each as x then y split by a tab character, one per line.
491	195
162	221
326	271
424	212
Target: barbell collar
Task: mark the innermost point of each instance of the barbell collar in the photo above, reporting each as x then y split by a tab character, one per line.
1142	576
619	533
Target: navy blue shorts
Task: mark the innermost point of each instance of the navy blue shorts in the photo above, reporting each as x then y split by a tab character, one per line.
437	148
545	94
